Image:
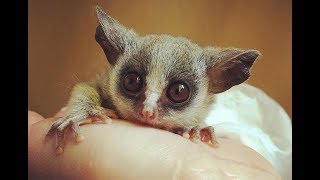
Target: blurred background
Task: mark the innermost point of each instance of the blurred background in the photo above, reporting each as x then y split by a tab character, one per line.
62	50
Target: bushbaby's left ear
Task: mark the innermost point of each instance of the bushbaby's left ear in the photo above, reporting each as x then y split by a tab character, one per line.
227	67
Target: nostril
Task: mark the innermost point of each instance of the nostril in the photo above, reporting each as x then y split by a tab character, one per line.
141	113
153	116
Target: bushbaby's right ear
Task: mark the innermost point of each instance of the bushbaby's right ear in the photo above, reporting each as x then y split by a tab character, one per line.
113	37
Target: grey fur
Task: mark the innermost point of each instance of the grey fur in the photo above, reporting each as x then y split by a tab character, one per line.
163	59
160	60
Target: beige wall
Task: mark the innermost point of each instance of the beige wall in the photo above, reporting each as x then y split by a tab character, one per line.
62	49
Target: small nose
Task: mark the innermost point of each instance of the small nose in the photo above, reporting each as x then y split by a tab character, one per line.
149	114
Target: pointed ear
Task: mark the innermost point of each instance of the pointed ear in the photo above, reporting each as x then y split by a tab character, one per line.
113	37
227	67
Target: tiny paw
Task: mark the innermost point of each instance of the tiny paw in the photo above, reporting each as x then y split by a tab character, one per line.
206	135
73	121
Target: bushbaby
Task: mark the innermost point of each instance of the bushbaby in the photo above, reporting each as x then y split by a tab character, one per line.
164	81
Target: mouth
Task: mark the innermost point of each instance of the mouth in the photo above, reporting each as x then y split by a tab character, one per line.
152	122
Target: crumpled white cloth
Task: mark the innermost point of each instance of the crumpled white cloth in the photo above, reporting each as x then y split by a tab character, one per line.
247	114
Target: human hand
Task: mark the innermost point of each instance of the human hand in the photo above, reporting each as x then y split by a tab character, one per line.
124	150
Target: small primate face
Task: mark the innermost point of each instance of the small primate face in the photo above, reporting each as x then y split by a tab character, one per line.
163	80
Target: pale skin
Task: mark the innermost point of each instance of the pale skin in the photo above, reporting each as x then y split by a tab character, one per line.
124	150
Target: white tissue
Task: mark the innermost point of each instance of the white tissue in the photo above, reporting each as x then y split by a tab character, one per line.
247	114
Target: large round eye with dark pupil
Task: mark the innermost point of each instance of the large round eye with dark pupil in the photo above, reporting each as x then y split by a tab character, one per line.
178	92
132	82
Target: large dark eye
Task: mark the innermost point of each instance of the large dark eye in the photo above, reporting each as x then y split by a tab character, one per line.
178	92
132	82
